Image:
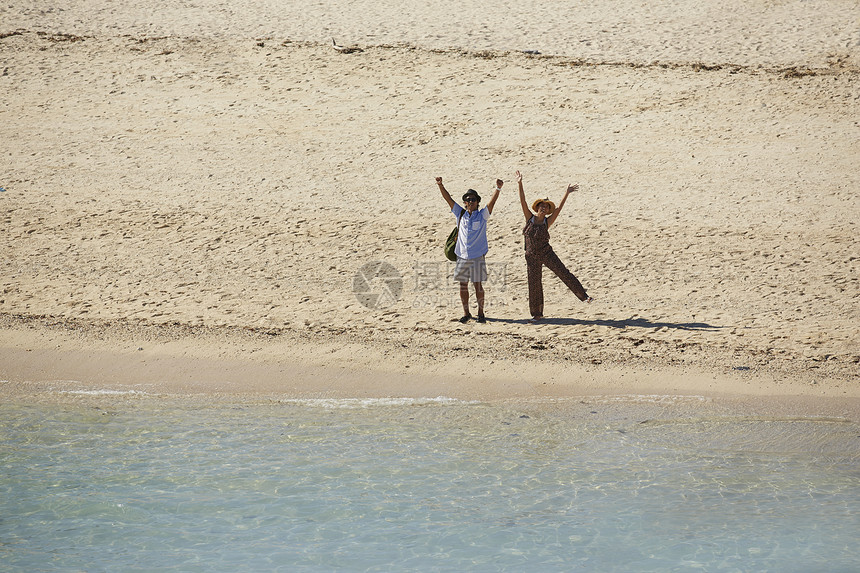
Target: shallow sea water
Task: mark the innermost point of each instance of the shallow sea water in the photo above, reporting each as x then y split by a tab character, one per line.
137	483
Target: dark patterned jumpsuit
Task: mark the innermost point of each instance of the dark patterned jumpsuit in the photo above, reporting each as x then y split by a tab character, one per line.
540	253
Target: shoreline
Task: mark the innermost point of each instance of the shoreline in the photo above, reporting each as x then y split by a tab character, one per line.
65	362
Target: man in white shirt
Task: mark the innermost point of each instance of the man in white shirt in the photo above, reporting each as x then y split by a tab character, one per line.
471	244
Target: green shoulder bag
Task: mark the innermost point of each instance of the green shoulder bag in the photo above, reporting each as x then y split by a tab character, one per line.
452	240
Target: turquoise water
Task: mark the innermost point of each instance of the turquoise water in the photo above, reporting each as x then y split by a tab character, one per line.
138	484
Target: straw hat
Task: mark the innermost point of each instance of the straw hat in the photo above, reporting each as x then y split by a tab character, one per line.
539	201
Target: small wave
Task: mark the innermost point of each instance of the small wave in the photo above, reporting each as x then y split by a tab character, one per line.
655	398
346	403
104	392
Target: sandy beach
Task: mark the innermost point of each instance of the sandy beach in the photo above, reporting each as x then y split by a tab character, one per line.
212	199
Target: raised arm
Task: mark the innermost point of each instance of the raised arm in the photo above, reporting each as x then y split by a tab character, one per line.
495	196
526	211
445	194
570	189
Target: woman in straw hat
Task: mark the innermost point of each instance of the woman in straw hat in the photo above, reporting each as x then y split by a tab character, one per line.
540	253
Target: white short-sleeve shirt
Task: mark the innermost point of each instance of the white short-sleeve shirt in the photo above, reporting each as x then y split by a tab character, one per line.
472	234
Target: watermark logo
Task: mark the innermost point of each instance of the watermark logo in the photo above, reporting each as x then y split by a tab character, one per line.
435	286
433	276
377	285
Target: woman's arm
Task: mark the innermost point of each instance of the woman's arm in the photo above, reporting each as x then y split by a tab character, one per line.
570	189
445	194
495	196
526	211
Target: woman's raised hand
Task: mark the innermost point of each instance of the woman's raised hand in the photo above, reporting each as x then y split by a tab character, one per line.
573	187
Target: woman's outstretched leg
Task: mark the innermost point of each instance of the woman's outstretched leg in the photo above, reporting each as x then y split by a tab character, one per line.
554	264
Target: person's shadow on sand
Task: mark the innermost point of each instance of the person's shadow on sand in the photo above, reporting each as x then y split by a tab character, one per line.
623	323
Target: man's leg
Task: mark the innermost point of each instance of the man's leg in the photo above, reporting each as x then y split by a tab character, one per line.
464	298
479	296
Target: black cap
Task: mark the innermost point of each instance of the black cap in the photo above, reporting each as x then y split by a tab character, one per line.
471	193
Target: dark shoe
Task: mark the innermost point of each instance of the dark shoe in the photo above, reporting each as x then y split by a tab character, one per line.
482	319
465	318
536	319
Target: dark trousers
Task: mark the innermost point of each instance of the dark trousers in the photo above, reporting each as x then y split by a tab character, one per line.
534	266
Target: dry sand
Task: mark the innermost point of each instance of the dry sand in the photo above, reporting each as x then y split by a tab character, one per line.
191	193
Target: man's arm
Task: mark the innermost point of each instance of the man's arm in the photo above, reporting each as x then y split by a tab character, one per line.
445	194
495	196
570	189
